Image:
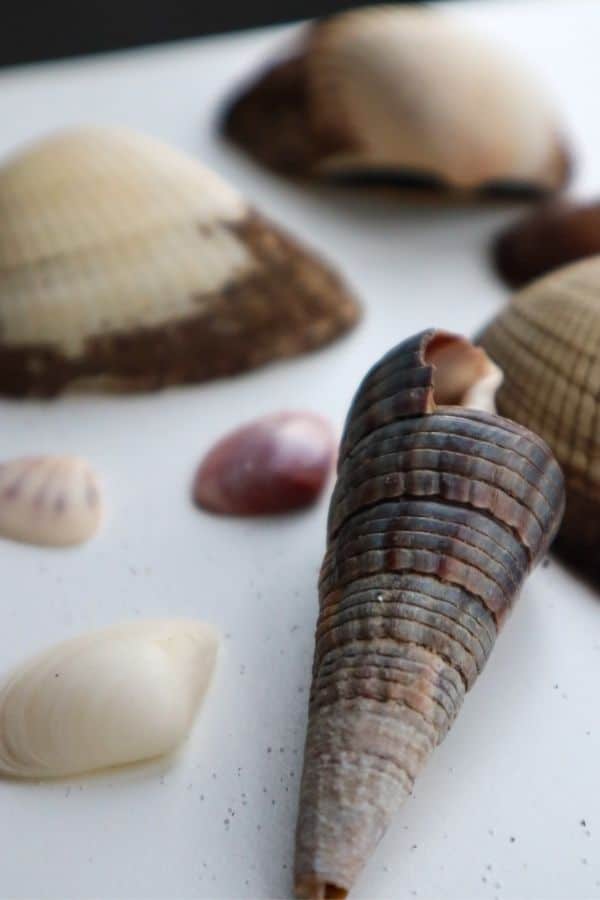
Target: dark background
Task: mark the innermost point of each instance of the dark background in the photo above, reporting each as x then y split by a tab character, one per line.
46	29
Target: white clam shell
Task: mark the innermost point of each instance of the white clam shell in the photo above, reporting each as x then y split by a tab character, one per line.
108	698
49	500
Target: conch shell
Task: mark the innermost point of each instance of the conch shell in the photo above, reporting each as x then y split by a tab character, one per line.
109	698
439	511
53	501
546	341
402	95
125	264
552	236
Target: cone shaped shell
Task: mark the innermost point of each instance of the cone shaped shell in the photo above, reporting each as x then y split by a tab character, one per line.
108	698
546	341
390	91
125	264
438	513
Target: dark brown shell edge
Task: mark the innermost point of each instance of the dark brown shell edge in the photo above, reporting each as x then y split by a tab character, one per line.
436	517
554	235
292	303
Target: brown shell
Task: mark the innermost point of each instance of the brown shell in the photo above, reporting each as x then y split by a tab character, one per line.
402	96
125	264
547	341
549	238
437	515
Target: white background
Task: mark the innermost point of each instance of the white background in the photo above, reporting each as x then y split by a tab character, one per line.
523	760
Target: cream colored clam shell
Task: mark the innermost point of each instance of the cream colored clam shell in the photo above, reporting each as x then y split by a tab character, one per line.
108	698
84	213
49	500
411	89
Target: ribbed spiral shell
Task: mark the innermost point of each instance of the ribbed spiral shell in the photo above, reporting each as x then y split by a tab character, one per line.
436	517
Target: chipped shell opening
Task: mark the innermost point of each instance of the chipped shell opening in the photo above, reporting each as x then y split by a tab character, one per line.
314	889
463	374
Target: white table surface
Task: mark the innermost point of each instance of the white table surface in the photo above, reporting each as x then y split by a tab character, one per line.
500	811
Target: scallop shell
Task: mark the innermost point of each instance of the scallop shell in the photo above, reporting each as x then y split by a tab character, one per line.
108	698
547	239
54	501
438	513
400	94
547	342
276	464
125	264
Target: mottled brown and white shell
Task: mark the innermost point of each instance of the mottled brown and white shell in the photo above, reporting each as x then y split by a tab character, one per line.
547	341
546	239
126	264
404	95
439	511
52	501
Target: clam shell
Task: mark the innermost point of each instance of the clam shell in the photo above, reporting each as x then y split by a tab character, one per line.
388	93
546	341
108	698
125	264
438	513
54	501
551	237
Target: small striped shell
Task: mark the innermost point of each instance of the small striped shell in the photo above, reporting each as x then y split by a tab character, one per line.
438	513
390	91
547	341
53	501
125	264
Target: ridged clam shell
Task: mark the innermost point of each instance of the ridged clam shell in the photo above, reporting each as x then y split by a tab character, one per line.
108	698
438	513
546	341
390	92
553	236
54	501
126	264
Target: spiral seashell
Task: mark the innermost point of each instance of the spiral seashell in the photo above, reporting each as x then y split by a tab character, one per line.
54	501
439	511
276	464
547	239
400	95
104	699
546	341
125	264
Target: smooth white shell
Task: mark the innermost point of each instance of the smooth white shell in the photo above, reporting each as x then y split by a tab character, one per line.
108	698
49	500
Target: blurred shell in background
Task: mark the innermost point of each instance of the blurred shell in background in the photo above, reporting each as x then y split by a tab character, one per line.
547	342
546	239
400	94
125	264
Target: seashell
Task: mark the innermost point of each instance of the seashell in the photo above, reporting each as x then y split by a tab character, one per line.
553	236
54	501
406	96
125	264
546	341
108	698
275	464
439	511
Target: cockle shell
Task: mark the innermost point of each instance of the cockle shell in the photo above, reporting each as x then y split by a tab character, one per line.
108	698
125	264
547	342
551	237
438	513
54	501
275	464
403	95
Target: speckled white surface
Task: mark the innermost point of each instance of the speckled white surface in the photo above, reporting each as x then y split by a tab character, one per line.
510	805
